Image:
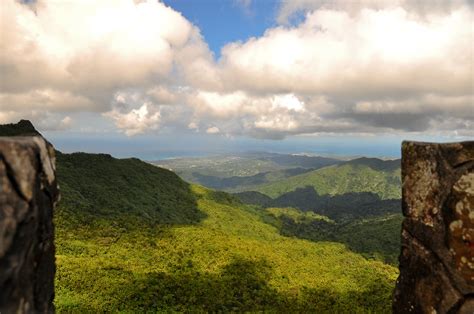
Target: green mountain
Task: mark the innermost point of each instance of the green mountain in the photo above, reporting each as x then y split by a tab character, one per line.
236	183
359	175
100	186
375	237
244	171
133	237
361	198
344	207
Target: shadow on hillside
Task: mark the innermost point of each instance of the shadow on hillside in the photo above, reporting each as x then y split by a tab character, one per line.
375	238
125	191
242	286
338	207
362	221
242	181
346	206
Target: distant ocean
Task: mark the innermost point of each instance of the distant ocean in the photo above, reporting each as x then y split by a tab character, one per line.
167	146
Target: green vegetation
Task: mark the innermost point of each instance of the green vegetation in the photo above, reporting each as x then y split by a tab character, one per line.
375	238
344	207
133	237
237	183
100	186
218	166
341	179
245	171
22	128
297	216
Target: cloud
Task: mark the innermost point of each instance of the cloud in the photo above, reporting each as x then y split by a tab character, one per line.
65	56
369	71
136	121
65	123
84	45
384	52
212	130
46	99
343	67
162	95
43	120
289	10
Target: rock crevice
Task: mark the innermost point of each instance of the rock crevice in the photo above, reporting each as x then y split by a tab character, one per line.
437	254
28	194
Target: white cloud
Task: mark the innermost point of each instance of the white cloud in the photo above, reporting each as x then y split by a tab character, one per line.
65	123
43	120
46	99
385	52
288	101
279	123
376	70
136	121
83	45
212	130
288	10
193	126
347	67
162	95
76	55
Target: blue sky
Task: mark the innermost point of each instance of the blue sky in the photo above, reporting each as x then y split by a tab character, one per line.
222	22
149	78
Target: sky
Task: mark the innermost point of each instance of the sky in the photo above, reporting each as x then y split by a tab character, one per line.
159	79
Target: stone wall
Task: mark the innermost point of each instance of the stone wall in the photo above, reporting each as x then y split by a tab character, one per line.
28	194
437	255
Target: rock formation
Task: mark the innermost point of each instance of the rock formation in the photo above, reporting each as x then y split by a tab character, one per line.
28	194
437	255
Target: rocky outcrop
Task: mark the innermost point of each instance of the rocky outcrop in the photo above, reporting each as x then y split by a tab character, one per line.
28	194
437	255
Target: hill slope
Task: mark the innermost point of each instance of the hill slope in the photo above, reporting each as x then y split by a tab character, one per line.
243	171
99	185
341	207
375	237
114	252
238	183
231	261
136	238
352	176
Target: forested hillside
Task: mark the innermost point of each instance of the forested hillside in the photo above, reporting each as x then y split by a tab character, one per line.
133	237
360	197
375	237
244	171
353	176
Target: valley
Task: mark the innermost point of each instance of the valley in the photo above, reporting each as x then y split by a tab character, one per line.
357	200
236	156
145	240
134	237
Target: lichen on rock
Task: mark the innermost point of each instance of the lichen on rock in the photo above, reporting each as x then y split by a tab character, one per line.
437	254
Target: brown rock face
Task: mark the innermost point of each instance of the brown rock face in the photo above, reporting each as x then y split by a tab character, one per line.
28	194
437	255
